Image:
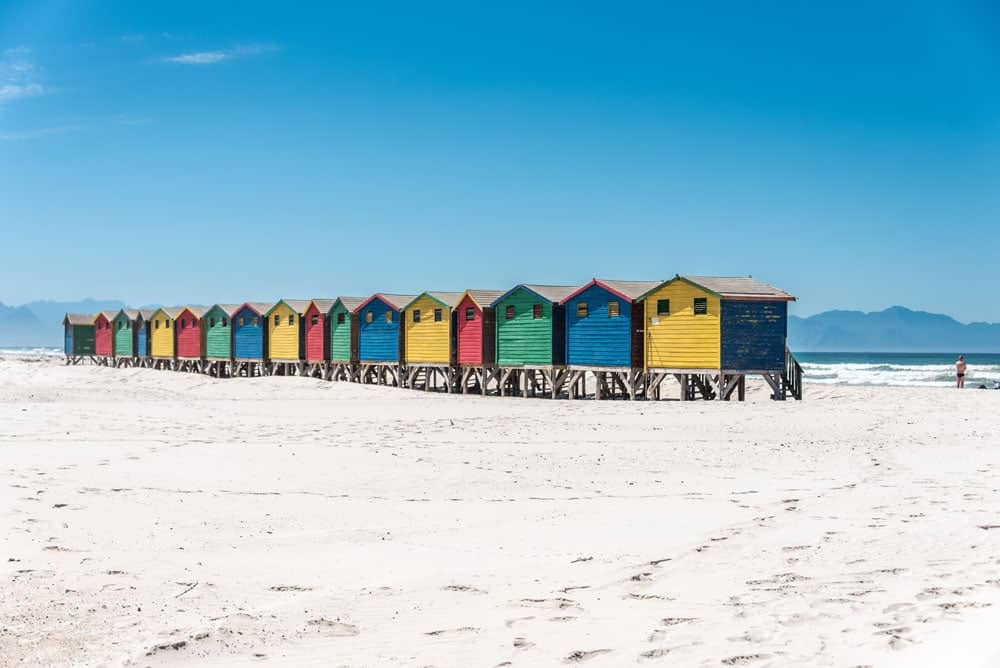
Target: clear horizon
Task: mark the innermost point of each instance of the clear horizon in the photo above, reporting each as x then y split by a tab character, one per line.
186	154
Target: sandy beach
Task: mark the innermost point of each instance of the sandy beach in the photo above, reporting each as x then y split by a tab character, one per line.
155	518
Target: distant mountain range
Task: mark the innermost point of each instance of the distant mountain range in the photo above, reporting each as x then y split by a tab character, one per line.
896	329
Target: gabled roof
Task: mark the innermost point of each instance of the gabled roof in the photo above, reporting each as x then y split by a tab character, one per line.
446	299
350	303
550	293
322	305
170	311
395	302
297	305
628	290
108	315
196	311
227	309
129	313
260	308
78	319
483	298
732	287
147	313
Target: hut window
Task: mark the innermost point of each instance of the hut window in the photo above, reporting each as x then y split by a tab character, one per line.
581	310
536	312
242	321
277	320
291	320
470	313
509	312
211	322
341	318
416	315
254	321
225	322
437	315
157	324
128	325
388	316
700	305
613	309
369	316
662	307
166	323
315	320
184	323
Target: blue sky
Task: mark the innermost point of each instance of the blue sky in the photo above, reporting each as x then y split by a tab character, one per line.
214	152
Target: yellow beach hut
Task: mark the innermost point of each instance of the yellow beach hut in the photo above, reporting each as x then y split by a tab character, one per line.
285	332
161	336
711	332
428	349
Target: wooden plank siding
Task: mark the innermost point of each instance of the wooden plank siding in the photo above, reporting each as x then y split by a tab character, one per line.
161	333
142	336
530	336
188	332
599	327
78	334
754	334
427	323
344	329
250	331
315	335
380	337
217	324
103	338
285	330
682	340
123	327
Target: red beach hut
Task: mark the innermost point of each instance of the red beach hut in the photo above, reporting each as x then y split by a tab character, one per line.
104	335
187	327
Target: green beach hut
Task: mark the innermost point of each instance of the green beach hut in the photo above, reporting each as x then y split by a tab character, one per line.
531	338
123	333
343	337
217	325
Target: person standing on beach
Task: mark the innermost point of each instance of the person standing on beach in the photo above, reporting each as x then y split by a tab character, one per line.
960	368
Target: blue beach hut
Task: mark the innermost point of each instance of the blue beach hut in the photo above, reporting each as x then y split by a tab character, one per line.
380	337
604	324
250	332
142	333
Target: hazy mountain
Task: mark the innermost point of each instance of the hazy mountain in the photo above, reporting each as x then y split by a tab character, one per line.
896	329
40	323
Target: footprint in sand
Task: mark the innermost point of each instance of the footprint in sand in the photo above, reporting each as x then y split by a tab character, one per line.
333	628
464	588
744	659
522	643
653	654
579	656
463	630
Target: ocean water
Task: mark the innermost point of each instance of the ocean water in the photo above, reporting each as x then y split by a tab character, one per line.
913	369
30	351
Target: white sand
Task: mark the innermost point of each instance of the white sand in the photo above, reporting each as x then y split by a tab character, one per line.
293	521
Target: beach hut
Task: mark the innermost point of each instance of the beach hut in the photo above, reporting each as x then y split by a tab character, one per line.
78	337
315	337
604	337
217	325
250	338
380	338
285	331
143	338
531	339
429	350
123	331
104	340
475	340
161	337
189	334
711	332
343	338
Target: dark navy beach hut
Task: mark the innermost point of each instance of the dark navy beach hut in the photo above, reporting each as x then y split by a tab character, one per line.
604	324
